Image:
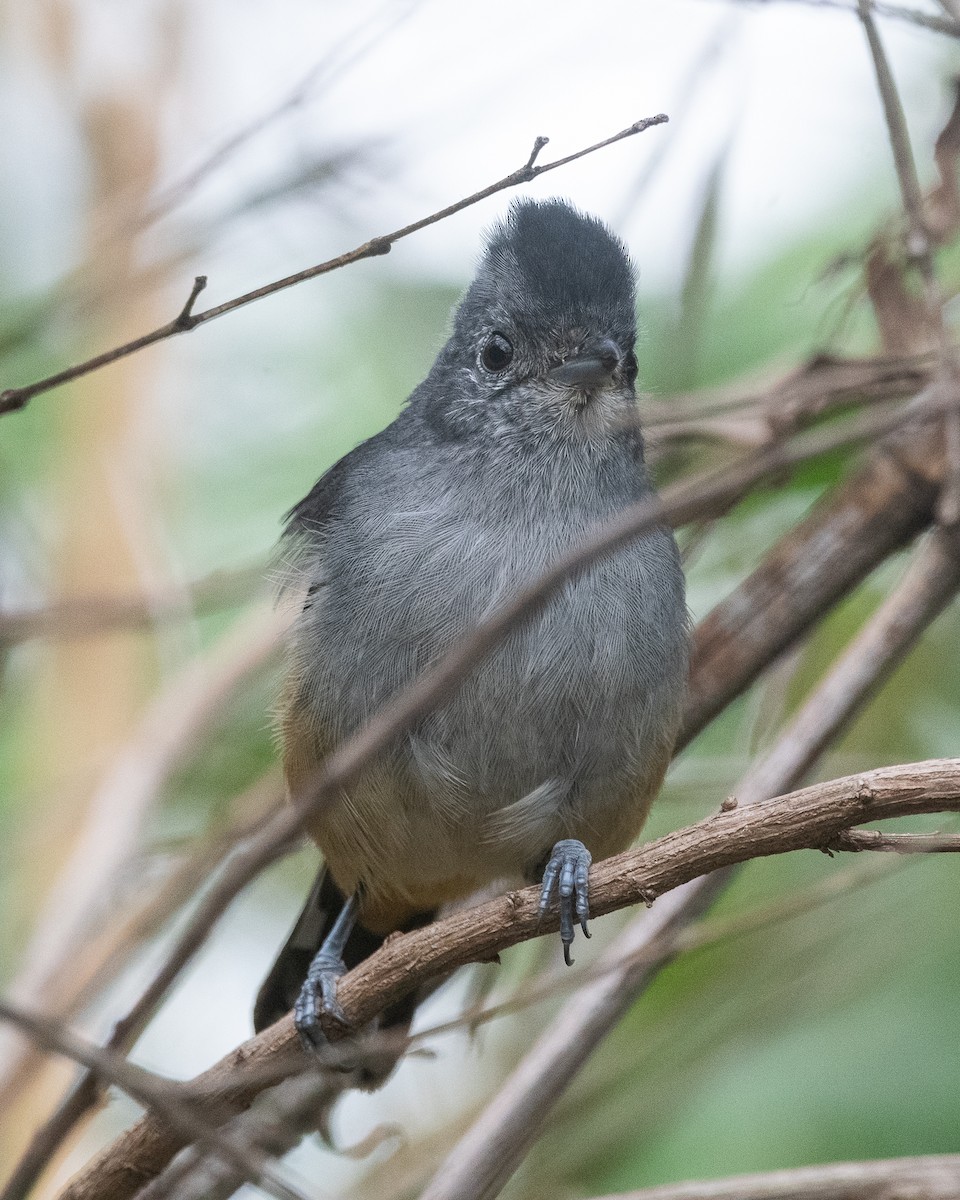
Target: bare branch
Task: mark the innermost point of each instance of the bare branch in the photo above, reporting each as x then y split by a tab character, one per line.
935	1177
920	250
185	320
918	240
273	1125
876	511
810	818
14	399
683	939
928	586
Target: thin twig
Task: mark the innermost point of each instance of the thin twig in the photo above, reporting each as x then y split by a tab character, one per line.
92	615
272	1126
14	399
933	1177
897	843
918	240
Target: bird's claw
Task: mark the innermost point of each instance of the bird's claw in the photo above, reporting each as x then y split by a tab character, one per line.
317	999
568	872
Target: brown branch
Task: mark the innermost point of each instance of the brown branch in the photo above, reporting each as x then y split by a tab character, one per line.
754	419
487	1154
929	584
918	242
708	931
934	1177
873	513
814	388
272	1126
14	399
811	819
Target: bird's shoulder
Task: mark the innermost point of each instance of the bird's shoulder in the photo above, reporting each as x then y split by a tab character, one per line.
358	470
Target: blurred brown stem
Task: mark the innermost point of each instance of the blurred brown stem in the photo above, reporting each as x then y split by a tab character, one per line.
935	1177
174	722
88	616
177	1108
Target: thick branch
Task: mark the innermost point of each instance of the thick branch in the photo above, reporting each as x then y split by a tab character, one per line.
811	819
879	509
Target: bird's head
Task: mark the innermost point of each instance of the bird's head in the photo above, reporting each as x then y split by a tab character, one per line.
543	340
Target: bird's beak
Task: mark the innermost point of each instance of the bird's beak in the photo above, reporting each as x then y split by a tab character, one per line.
590	369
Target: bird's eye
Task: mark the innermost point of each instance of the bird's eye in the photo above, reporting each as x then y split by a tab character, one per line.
630	368
497	353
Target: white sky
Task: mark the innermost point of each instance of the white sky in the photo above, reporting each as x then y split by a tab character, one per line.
455	94
452	94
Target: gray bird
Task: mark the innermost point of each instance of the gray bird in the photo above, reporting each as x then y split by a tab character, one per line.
523	437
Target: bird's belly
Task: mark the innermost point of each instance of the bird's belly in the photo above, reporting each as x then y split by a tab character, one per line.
563	730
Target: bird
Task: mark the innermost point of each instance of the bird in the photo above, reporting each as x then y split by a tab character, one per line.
523	437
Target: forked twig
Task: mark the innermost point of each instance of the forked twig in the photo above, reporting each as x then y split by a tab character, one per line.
14	399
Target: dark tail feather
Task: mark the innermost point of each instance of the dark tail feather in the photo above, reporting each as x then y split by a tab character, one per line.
281	987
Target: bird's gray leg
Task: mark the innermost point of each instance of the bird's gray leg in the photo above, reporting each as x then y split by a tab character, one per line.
319	992
568	871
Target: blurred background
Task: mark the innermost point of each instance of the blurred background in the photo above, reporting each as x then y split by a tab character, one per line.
148	143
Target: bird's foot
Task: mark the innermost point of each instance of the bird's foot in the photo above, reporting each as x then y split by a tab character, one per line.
568	872
317	999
